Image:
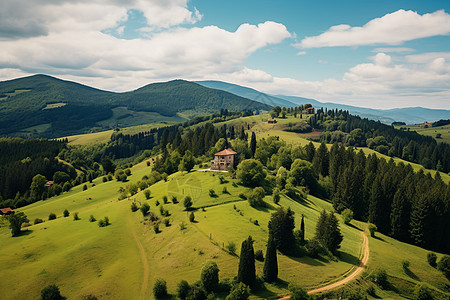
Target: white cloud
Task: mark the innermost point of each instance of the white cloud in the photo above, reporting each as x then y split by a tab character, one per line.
391	29
393	50
427	57
301	53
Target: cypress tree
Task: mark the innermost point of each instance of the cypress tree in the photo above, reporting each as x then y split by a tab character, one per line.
281	226
270	264
253	144
247	271
302	228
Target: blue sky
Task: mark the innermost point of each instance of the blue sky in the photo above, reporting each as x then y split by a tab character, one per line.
380	54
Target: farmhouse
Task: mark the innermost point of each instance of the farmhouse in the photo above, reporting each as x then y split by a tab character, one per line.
271	121
6	211
223	160
49	183
308	111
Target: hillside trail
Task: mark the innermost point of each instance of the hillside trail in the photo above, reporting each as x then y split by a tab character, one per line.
356	272
144	265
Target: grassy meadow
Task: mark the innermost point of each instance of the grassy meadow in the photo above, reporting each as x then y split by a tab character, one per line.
431	131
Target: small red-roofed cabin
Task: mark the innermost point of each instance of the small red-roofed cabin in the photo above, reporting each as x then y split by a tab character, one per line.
6	211
308	111
49	183
271	121
223	160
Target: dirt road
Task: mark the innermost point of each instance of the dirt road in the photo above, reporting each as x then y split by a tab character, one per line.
356	272
144	264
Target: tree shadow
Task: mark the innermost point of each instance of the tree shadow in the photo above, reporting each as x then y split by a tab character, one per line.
353	226
260	290
24	232
320	261
411	274
379	238
348	258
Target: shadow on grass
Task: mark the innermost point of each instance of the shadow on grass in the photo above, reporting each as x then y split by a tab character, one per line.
266	208
320	261
378	238
411	274
348	258
353	226
24	232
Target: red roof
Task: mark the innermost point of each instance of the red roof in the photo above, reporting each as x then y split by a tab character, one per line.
226	152
6	210
270	120
49	183
309	108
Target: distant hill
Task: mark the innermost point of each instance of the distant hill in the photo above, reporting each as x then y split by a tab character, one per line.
45	106
409	115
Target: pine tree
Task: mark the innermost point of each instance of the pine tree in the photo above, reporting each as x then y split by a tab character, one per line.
270	264
247	271
321	160
302	228
253	144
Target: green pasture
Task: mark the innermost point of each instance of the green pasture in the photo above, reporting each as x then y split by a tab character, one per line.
431	131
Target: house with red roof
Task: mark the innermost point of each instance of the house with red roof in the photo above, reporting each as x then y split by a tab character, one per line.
6	211
223	160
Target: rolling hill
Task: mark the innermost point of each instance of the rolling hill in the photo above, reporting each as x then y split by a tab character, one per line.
45	106
409	115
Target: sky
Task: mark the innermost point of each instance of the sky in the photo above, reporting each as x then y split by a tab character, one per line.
378	54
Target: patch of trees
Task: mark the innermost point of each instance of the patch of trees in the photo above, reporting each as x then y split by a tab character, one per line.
441	123
340	126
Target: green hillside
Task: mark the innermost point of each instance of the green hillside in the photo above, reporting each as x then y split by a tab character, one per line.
44	106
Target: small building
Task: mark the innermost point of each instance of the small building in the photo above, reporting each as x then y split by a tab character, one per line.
6	211
308	111
223	160
49	183
271	121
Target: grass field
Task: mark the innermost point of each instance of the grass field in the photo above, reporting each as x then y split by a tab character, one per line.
431	131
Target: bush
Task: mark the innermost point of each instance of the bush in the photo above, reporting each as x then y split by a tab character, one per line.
191	217
222	179
259	255
134	207
51	292
92	218
298	293
84	187
255	197
160	289
107	221
182	226
37	221
104	179
76	217
242	196
165	200
371	291
197	292
187	202
156	228
157	203
212	193
166	222
432	258
174	200
225	190
379	276
128	172
90	297
183	289
51	216
231	247
210	276
145	208
101	223
372	229
147	194
276	196
444	266
66	213
314	248
347	216
405	265
422	292
239	292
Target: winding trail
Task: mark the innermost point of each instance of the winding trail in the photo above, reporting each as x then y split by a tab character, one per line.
356	272
144	264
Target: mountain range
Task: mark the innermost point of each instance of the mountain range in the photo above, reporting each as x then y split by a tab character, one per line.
409	115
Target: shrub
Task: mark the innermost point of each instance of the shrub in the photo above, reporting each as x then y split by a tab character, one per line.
187	202
66	213
92	218
182	226
145	208
51	292
107	221
276	196
314	248
166	222
183	289
67	186
372	229
76	217
234	184
128	172
405	265
371	291
90	297
191	217
231	247
432	258
84	187
298	293
347	215
165	200
379	276
104	179
255	197
156	228
222	179
147	194
197	292
225	190
134	207
259	255
110	177
212	193
160	289
210	276
103	222
422	292
174	200
51	216
157	203
242	196
239	292
444	266
37	221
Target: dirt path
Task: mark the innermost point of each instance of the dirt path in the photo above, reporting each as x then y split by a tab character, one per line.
356	272
144	265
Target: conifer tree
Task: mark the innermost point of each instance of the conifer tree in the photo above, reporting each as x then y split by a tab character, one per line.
270	264
247	271
253	144
281	226
302	228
